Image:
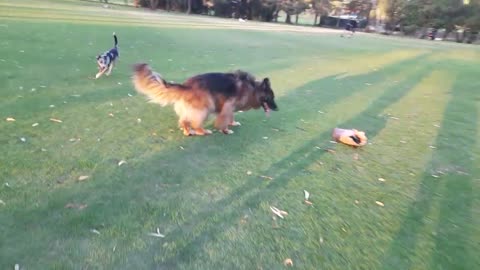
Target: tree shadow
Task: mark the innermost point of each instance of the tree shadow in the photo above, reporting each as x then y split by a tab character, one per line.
453	163
251	194
132	187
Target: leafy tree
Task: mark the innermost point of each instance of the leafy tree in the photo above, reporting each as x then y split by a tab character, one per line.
320	8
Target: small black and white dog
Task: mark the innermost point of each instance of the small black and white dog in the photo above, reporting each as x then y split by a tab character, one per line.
106	60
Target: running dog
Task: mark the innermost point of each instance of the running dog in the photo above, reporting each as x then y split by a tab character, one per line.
106	60
202	95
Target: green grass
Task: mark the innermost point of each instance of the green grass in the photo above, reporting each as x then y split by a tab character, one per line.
416	100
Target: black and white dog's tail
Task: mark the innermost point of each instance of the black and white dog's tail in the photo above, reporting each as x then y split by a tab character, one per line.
115	39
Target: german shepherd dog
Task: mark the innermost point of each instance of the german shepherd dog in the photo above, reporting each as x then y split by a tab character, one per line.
106	60
204	94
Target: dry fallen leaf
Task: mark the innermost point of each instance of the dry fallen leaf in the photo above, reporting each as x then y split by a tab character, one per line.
379	203
266	177
278	212
432	147
308	202
75	206
95	231
34	124
435	176
288	262
357	202
121	162
10	119
307	194
265	138
83	178
110	114
55	120
23	139
381	179
157	234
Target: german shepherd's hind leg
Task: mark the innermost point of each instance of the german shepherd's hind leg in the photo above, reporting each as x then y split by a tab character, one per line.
185	127
198	118
225	118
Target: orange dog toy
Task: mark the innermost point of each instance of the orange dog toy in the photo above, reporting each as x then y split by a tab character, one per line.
350	137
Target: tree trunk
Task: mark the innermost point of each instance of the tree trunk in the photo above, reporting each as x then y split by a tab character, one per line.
275	15
296	18
315	20
189	6
153	4
288	19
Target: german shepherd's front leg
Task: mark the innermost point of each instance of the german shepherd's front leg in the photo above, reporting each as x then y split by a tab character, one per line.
225	118
234	123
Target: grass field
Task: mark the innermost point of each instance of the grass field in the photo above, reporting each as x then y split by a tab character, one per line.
417	101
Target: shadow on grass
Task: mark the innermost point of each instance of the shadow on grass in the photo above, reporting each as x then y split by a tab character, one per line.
452	161
282	171
130	188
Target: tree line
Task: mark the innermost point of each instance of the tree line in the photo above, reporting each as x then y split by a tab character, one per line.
408	16
459	16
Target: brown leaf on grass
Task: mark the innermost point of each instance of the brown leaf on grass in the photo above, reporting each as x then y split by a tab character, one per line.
288	262
307	202
56	120
78	206
331	151
83	177
278	212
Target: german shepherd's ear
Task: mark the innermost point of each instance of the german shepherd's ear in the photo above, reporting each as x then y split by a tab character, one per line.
266	82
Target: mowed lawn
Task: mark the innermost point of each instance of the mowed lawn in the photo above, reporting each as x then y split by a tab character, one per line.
410	199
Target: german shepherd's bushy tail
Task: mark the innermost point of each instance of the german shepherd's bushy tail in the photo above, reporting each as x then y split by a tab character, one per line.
151	84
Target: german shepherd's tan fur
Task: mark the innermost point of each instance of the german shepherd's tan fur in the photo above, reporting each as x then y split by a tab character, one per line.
205	94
